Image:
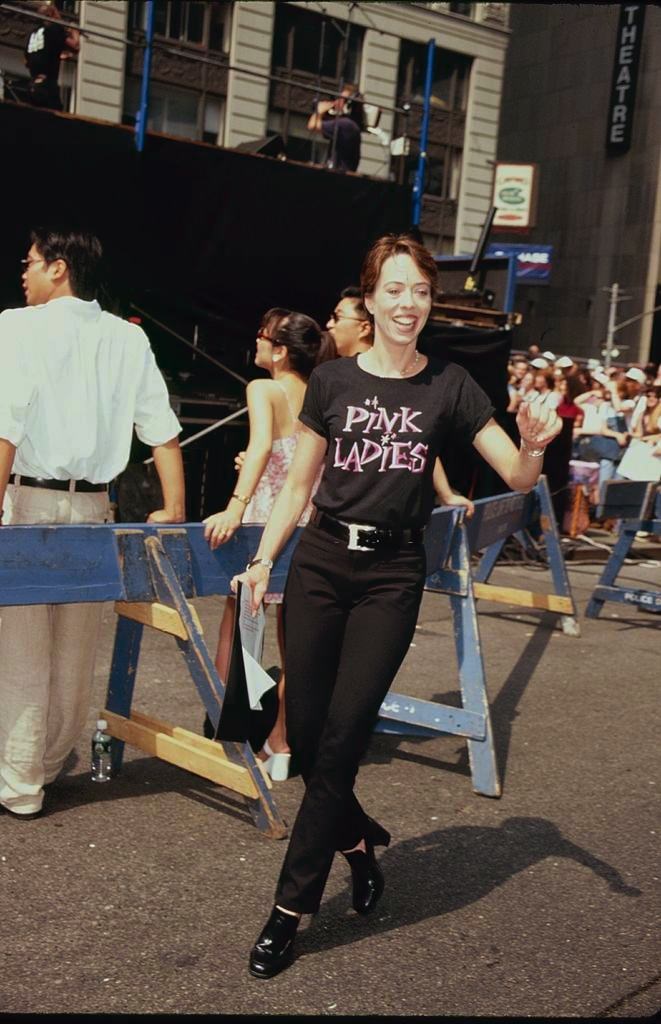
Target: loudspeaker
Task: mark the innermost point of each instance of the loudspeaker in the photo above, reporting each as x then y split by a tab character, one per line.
268	145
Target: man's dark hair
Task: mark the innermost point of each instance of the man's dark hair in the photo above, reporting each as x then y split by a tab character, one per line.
354	293
80	250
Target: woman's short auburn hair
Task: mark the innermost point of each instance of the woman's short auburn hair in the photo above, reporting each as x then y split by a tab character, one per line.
393	245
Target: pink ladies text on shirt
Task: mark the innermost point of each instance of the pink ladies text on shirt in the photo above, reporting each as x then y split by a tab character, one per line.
383	446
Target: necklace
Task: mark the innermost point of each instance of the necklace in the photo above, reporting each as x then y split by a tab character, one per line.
411	365
413	362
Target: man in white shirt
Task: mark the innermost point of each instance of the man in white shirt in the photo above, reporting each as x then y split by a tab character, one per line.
75	380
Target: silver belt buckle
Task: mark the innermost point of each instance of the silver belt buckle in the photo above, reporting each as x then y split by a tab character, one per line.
353	544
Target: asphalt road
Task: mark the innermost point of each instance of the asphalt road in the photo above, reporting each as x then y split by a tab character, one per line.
144	895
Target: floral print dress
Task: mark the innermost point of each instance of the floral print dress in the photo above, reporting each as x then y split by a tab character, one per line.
271	483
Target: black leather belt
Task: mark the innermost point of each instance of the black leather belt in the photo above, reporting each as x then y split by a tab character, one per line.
56	485
361	537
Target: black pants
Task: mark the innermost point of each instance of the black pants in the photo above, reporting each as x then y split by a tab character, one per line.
45	94
349	619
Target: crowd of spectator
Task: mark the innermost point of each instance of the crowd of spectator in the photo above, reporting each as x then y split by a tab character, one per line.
611	421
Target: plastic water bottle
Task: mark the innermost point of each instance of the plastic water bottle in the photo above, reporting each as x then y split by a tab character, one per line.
101	763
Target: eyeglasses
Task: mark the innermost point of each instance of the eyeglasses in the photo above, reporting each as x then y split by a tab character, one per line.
340	316
265	337
27	263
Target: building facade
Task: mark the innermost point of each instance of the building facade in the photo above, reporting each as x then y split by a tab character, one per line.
582	100
231	74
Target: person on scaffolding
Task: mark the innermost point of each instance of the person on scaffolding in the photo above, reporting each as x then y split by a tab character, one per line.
340	121
45	48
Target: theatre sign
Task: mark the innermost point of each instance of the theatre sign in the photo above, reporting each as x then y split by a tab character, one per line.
625	75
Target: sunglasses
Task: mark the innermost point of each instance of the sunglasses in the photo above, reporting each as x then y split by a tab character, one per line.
340	316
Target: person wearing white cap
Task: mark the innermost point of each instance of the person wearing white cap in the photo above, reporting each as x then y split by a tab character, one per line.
636	374
539	363
563	363
633	405
549	355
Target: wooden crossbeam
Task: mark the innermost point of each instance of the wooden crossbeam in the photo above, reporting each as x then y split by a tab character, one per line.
524	598
179	733
184	749
158	616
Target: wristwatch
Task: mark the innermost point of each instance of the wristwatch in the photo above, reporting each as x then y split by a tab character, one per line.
267	562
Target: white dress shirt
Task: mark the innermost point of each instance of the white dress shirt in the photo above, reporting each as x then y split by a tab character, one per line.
74	380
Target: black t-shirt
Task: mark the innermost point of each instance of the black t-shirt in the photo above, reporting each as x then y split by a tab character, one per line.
347	147
384	435
43	50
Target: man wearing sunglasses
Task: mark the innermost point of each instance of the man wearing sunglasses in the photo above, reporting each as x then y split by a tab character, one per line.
350	325
75	381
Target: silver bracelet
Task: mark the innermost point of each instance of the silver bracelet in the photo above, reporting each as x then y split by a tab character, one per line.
266	562
534	453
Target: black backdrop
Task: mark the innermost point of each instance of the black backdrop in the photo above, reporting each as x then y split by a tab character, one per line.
484	354
195	228
195	234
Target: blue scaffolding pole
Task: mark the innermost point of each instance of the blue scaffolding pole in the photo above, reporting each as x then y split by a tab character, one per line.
419	184
143	113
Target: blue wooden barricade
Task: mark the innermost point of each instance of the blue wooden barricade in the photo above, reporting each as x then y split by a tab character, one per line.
450	550
638	505
152	571
496	520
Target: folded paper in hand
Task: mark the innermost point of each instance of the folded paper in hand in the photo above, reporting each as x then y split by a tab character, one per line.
251	630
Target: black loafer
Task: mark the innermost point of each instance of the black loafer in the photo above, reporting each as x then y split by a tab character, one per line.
274	950
368	880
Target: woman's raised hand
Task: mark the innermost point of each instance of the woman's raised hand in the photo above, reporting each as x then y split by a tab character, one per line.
538	422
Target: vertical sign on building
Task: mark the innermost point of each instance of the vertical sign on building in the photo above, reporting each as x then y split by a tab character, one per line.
625	75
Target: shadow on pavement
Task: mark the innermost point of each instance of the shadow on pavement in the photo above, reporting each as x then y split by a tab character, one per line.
503	710
448	869
143	777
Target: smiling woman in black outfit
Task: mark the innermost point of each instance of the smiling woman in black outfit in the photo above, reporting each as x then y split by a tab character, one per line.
378	420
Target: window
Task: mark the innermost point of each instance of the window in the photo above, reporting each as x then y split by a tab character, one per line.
449	98
69	8
323	50
454	8
185	21
316	44
301	144
459	8
171	110
450	80
214	120
442	171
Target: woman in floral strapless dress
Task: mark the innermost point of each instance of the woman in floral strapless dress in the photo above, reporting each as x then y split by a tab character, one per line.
289	346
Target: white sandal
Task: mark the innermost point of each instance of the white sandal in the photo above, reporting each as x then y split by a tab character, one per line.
277	765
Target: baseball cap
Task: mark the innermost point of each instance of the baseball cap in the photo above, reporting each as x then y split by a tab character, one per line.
563	362
601	377
539	363
635	374
593	364
549	355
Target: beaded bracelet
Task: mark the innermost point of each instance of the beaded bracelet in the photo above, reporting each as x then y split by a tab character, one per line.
242	497
534	453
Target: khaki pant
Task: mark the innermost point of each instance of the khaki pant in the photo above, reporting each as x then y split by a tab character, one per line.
47	657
